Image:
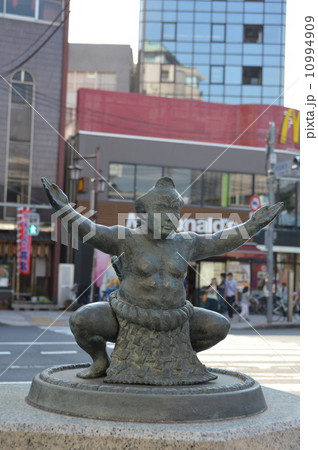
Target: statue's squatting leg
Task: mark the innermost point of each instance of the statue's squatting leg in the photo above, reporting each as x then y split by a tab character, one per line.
93	325
207	328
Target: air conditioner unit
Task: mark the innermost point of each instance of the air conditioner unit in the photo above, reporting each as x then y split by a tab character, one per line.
65	284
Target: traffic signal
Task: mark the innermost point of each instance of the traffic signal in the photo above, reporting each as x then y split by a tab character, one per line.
33	224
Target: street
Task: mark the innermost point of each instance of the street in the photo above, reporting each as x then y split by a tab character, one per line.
270	357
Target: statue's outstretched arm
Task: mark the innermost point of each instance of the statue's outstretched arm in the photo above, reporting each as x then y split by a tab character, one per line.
101	237
229	239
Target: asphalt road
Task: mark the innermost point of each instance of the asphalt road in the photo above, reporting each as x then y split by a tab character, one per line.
271	357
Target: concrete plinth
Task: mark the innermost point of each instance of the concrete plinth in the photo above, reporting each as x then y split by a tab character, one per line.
23	426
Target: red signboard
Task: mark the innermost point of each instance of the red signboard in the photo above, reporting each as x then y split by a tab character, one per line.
24	242
192	120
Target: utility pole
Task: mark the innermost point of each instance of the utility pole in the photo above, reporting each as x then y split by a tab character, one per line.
271	160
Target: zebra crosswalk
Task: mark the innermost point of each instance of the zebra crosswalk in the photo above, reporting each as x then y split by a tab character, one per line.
273	361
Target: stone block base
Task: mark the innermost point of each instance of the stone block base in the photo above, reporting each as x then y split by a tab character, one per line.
23	426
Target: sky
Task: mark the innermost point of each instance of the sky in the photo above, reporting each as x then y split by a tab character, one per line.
117	22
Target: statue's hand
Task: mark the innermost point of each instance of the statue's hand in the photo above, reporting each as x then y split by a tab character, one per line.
56	196
265	215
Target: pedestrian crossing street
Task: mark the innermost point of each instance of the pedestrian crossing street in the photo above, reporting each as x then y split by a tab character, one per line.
273	361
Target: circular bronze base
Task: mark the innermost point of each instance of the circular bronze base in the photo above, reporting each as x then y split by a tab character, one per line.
59	390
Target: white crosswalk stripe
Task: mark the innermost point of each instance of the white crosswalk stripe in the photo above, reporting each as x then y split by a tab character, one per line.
272	360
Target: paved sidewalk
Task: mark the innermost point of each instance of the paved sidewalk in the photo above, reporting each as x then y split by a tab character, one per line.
61	318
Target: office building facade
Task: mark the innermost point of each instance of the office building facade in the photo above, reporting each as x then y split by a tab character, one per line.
217	51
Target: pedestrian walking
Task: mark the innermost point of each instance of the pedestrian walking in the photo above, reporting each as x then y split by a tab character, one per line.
221	289
245	303
231	293
211	297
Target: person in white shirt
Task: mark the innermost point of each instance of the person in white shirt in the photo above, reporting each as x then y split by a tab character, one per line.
245	302
230	293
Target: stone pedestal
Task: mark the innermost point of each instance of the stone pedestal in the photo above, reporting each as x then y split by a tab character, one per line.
23	426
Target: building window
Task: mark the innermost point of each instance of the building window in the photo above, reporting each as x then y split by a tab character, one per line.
287	193
48	10
146	176
167	73
217	75
217	32
253	33
240	189
252	75
212	189
169	31
20	140
122	178
187	182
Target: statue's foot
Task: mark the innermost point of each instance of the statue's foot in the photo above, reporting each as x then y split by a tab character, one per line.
97	369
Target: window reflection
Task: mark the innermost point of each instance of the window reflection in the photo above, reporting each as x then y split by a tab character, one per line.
122	177
240	189
287	194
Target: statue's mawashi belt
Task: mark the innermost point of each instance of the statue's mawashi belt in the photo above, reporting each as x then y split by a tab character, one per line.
153	319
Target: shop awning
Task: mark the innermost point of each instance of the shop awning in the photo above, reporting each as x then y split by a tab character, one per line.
247	251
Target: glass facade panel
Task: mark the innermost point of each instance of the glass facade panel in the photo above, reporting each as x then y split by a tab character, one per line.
271	91
185	58
217	48
234	60
234	33
254	18
1	6
219	6
154	4
273	19
217	89
185	32
218	33
232	90
169	5
201	58
240	189
272	49
271	7
202	17
168	31
203	6
272	34
233	75
186	5
217	75
218	17
217	59
200	47
234	18
254	7
271	76
153	31
272	61
122	178
249	60
235	6
252	75
185	17
170	16
154	16
234	48
251	100
254	91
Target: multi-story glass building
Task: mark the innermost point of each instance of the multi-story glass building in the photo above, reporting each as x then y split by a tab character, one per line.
218	51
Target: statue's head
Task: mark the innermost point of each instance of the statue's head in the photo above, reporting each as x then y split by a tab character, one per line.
160	206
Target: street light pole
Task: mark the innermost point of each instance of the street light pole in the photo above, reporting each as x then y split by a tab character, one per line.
271	160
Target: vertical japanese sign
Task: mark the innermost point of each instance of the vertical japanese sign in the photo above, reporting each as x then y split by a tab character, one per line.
24	242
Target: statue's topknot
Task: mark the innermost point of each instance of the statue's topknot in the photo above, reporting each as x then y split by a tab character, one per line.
163	192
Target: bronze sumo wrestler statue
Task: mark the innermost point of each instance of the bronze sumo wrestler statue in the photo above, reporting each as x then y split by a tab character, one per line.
156	331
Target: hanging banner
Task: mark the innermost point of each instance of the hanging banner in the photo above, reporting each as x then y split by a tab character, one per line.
24	242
